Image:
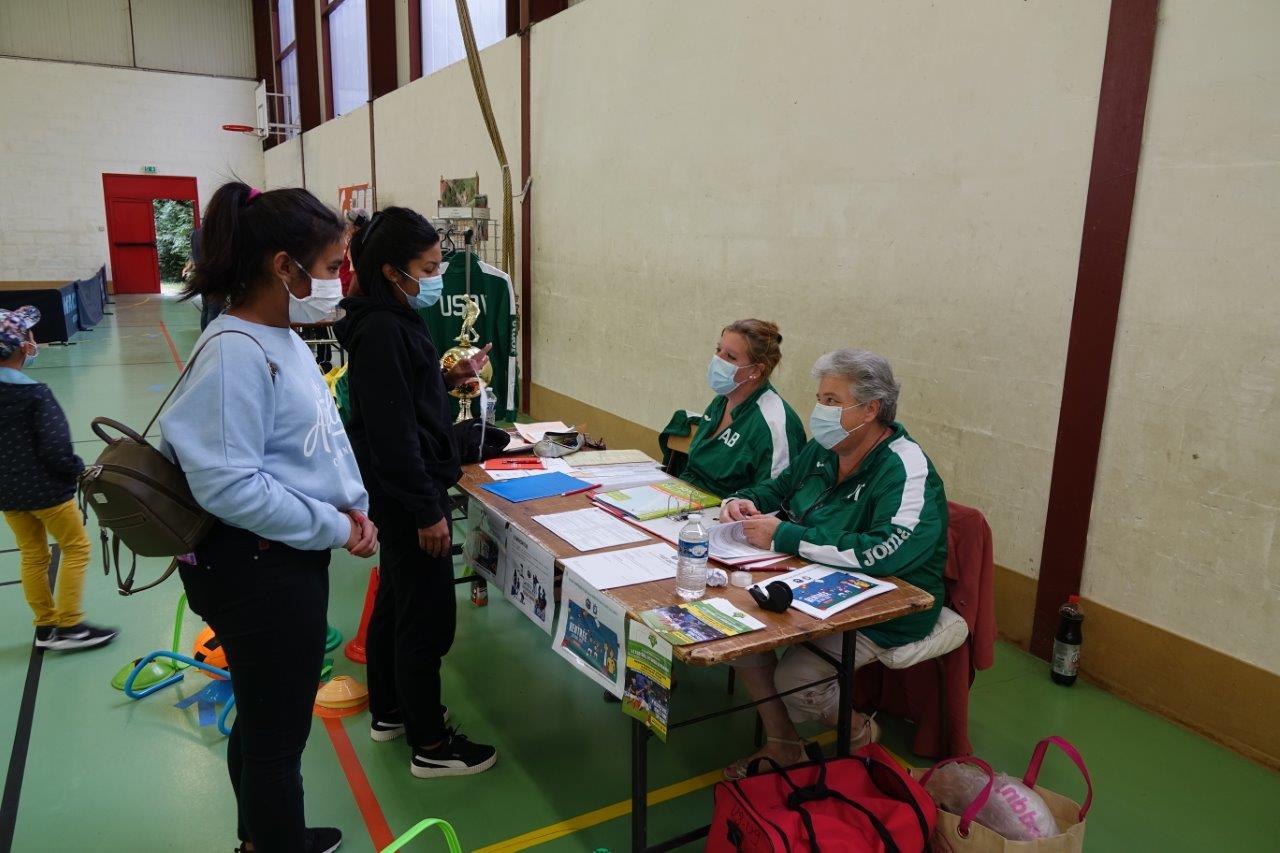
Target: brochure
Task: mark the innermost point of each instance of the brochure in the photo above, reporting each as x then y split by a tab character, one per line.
484	550
822	592
529	578
700	621
589	633
647	692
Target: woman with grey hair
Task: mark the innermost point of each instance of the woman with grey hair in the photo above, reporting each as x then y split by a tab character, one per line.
861	496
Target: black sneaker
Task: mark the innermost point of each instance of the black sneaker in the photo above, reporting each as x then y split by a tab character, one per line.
323	839
457	756
44	634
82	636
392	728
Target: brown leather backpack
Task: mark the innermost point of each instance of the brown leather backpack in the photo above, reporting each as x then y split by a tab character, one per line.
142	497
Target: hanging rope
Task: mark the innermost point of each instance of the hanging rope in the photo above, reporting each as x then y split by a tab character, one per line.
486	109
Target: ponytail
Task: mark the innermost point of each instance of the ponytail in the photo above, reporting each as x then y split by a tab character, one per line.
242	228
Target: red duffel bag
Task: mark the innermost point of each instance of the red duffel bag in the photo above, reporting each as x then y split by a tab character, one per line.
843	805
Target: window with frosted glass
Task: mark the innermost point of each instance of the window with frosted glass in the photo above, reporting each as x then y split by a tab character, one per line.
348	55
442	33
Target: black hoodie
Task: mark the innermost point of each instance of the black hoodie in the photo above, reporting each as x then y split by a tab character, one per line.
399	425
38	469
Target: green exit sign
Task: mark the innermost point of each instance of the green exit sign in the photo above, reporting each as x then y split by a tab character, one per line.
148	170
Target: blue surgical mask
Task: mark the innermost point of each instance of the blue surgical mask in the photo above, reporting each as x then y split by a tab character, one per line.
721	376
824	424
430	289
30	359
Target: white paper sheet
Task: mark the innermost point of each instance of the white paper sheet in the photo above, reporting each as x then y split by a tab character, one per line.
529	578
533	433
590	633
590	529
613	477
609	457
728	543
623	568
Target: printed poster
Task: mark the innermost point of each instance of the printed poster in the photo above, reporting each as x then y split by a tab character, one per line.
529	578
647	693
485	547
589	633
700	621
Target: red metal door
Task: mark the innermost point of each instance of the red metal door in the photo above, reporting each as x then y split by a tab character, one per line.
131	226
135	267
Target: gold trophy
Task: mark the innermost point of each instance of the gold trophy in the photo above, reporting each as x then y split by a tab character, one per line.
465	348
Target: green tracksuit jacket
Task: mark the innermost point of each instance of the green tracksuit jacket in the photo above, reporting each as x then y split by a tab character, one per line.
757	445
888	518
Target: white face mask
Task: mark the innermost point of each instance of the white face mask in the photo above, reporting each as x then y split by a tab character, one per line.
321	305
825	426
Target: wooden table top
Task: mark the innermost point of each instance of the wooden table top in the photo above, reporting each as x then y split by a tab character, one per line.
781	629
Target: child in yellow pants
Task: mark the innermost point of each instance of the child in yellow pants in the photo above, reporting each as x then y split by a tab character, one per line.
37	492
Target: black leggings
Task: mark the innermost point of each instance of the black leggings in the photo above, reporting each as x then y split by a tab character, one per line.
411	629
268	605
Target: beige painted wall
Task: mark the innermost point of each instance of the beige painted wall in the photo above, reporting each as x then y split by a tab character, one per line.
905	177
338	154
283	165
433	128
1184	529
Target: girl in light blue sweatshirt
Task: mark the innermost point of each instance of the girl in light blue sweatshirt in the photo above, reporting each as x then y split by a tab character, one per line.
257	433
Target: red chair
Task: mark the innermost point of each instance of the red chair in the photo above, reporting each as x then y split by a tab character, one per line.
935	693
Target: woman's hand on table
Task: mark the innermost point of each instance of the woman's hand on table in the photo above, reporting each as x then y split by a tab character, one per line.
759	530
363	541
435	540
737	509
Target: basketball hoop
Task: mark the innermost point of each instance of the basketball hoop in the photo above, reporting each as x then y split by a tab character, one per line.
266	106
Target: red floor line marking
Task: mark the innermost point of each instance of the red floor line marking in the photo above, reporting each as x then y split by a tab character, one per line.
366	801
173	350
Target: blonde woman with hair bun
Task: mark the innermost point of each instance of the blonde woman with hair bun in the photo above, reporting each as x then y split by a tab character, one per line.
747	434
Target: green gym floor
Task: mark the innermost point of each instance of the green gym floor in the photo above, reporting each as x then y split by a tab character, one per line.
92	770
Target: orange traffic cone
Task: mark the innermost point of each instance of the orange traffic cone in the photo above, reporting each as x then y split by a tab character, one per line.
355	649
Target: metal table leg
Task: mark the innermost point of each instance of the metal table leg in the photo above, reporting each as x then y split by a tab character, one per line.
639	786
844	739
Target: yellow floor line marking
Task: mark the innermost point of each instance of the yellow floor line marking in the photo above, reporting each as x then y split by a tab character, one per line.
623	807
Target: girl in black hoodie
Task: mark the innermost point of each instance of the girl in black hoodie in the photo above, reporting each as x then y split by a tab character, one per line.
402	436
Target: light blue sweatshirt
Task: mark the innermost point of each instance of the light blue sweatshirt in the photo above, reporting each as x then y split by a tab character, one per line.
268	456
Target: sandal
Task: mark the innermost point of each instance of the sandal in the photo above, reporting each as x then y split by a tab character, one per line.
738	770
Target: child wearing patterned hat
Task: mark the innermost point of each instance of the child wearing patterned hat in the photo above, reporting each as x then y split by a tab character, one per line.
37	491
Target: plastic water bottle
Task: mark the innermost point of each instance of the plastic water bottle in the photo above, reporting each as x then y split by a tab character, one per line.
691	570
1066	645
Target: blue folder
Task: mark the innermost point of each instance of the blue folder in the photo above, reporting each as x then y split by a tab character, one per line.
538	486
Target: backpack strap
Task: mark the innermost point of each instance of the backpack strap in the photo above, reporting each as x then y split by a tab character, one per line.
270	366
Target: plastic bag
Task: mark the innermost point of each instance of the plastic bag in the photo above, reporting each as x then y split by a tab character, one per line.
1014	811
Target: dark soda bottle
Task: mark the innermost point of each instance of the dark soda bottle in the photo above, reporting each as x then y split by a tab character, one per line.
1066	645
